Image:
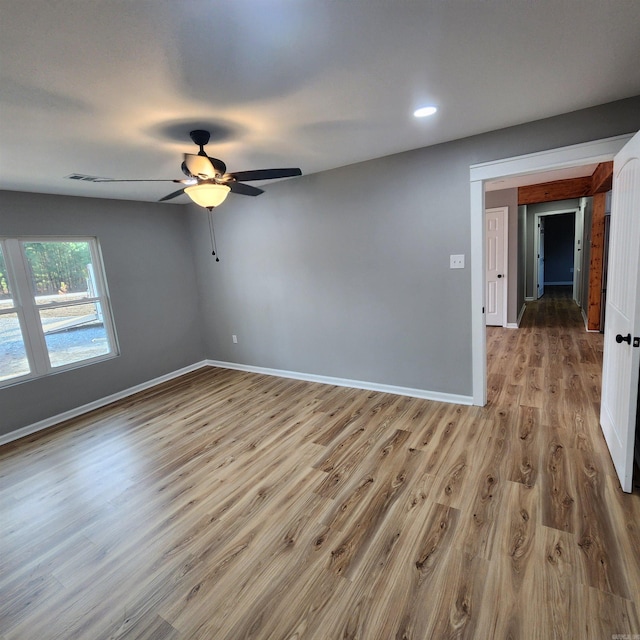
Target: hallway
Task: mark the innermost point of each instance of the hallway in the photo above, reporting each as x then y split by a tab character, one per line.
550	362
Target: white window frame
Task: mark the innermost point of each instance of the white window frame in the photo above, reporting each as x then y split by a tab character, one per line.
28	311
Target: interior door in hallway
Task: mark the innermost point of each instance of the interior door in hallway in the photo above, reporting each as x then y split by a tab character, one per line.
621	363
496	276
540	257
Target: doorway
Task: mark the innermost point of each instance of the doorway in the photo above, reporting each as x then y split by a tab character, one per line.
557	251
619	394
528	165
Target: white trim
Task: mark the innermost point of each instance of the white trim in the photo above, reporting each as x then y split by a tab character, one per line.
478	318
585	153
96	404
345	382
511	325
537	237
573	155
309	377
522	310
586	322
522	247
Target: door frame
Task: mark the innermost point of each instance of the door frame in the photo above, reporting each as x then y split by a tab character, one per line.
586	153
505	260
578	254
536	245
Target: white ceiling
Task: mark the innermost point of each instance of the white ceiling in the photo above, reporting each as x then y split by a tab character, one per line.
112	87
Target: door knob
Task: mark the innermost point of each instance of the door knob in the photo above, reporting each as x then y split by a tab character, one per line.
499	275
620	338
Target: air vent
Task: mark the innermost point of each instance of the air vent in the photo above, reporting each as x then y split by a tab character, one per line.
84	178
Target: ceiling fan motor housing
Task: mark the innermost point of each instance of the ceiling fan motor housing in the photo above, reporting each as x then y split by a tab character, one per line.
200	137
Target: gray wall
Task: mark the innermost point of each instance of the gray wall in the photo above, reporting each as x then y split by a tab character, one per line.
150	273
346	273
509	198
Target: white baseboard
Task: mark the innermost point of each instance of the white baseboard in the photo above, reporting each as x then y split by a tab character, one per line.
522	310
309	377
586	322
511	325
96	404
437	396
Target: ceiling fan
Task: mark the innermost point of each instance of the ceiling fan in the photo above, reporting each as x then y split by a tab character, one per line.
208	182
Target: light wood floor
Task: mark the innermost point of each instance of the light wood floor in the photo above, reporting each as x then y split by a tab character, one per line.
229	505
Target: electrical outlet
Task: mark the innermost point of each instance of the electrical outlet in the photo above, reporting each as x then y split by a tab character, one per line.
234	338
456	262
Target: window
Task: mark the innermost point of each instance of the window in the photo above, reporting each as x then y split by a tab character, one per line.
54	309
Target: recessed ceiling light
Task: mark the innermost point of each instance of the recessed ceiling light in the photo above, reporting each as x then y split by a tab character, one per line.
423	112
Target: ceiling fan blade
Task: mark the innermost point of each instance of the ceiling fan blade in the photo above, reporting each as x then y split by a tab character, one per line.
243	189
141	180
266	174
199	166
175	194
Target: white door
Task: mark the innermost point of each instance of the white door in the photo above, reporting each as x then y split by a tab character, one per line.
540	292
621	364
577	254
496	278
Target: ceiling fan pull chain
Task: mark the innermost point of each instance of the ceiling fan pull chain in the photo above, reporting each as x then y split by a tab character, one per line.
213	235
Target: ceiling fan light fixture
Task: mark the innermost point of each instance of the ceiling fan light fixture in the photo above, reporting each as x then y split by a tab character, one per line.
208	195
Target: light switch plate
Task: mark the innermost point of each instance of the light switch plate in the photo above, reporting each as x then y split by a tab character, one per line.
456	262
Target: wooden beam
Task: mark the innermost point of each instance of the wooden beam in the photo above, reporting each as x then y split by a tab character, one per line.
595	262
557	190
602	178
